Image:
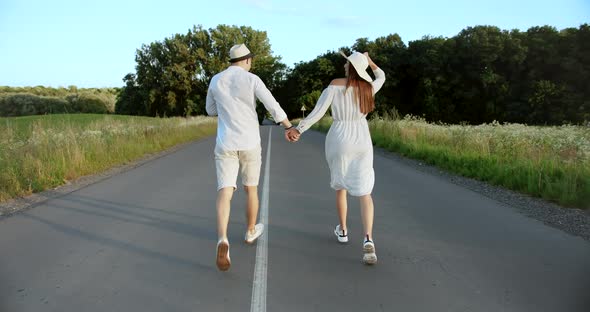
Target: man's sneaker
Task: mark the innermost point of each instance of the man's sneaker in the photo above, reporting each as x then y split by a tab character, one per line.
369	255
223	260
341	234
252	236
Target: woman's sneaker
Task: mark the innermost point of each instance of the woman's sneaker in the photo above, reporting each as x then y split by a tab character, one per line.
223	260
341	235
369	255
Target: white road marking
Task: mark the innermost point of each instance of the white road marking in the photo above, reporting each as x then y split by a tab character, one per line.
259	284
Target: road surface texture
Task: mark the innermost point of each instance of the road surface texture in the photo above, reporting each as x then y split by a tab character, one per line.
144	240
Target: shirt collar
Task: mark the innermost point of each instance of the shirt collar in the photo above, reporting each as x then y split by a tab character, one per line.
236	67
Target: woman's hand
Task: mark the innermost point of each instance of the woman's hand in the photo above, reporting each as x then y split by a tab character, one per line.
371	63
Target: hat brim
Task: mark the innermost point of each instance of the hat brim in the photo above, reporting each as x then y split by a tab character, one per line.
237	59
361	71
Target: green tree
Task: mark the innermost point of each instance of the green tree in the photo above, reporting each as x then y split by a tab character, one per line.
130	101
172	76
303	85
390	53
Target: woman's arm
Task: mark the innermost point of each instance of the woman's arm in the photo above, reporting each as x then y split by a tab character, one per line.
379	74
319	110
379	80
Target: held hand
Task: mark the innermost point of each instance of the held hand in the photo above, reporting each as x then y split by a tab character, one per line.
287	137
292	135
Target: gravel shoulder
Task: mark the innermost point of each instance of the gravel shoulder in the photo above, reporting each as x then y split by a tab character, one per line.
570	220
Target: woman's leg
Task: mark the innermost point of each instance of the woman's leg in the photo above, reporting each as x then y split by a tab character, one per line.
342	207
369	256
366	202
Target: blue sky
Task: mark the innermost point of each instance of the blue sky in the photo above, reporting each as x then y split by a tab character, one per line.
92	44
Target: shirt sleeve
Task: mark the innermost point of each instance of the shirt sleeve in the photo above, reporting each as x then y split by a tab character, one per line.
379	79
210	105
318	111
269	102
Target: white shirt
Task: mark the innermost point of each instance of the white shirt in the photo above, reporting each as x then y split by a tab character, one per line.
232	96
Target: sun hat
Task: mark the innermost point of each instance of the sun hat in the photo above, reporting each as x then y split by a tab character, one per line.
239	52
360	62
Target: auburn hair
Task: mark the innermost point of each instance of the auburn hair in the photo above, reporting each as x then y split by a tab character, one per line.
363	90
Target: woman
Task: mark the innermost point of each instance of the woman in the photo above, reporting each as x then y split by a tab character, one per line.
349	150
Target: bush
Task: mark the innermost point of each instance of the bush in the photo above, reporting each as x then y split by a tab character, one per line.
91	103
25	104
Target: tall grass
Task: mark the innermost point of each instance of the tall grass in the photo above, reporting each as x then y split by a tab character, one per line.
548	162
41	152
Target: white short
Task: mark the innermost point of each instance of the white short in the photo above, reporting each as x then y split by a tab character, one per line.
228	163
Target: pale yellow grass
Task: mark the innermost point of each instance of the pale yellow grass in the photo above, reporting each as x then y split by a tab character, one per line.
37	153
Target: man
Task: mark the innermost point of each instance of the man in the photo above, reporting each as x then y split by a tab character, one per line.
232	96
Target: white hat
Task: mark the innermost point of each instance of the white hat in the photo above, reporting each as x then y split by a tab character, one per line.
360	63
239	52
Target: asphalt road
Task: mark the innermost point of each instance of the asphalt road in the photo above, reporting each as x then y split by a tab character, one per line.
144	240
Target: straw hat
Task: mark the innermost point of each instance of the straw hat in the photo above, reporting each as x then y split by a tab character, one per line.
360	62
239	52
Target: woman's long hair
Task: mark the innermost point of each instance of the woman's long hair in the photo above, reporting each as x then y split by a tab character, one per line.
363	90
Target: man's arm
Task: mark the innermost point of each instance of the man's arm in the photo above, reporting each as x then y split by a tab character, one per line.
271	105
210	105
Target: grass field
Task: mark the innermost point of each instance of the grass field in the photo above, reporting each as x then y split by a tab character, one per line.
41	152
548	162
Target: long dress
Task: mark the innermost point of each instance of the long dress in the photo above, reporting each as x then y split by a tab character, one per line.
348	147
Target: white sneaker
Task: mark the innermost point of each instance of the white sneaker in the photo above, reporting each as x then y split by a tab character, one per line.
252	236
341	235
223	260
369	255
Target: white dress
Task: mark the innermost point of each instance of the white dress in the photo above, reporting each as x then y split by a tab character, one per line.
349	149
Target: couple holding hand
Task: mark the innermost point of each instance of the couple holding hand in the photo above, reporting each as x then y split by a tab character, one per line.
232	96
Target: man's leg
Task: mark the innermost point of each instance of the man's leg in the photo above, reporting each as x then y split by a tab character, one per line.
223	208
252	206
226	163
226	166
250	163
224	197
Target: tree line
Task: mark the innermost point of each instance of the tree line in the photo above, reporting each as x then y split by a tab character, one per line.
537	76
541	76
